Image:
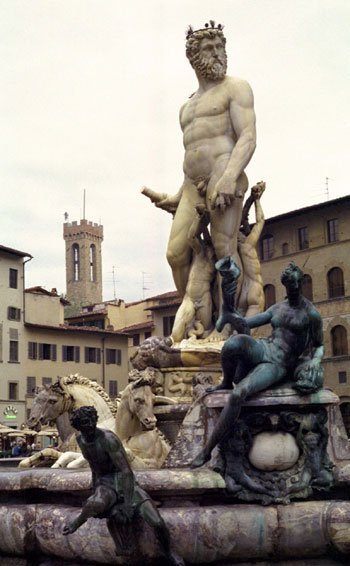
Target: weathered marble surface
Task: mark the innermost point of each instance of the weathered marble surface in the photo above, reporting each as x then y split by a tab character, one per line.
201	534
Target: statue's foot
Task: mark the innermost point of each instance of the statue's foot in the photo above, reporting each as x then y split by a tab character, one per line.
216	336
221	387
200	460
174	559
231	486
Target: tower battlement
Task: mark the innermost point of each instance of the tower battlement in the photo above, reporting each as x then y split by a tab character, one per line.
84	228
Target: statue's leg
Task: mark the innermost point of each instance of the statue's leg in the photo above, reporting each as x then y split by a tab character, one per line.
239	354
179	253
258	379
184	317
151	515
97	504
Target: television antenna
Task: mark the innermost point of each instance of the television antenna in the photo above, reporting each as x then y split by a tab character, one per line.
144	282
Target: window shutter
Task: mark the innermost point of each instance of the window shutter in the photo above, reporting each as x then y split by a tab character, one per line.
86	355
53	352
18	314
41	351
98	355
77	354
119	357
64	353
30	350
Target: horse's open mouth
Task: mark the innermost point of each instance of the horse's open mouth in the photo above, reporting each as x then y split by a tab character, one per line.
149	426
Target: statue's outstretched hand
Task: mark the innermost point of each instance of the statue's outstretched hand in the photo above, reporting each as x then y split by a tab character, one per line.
162	200
68	529
257	190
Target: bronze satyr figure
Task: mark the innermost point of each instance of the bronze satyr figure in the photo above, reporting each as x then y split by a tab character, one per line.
116	495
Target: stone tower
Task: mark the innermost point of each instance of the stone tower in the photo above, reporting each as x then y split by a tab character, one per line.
83	262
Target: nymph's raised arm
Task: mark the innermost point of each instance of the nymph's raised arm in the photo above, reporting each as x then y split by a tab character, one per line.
259	319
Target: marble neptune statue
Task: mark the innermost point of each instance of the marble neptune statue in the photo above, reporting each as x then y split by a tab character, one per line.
218	125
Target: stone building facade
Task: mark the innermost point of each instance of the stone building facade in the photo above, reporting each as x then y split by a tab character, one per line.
12	339
153	316
83	262
317	239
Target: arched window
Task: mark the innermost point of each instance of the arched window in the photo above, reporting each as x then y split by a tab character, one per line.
92	262
335	280
270	295
339	341
306	287
285	248
75	248
267	247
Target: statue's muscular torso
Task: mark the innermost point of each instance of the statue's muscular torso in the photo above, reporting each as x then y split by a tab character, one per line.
208	133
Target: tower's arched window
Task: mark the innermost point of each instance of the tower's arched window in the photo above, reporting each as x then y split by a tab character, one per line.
92	262
75	248
306	287
270	296
267	247
335	280
339	341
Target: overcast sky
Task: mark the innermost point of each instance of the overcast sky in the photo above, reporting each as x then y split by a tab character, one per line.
90	92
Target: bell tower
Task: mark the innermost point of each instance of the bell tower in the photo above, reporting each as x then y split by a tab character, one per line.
83	261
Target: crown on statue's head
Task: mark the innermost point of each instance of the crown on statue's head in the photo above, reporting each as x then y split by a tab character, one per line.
211	25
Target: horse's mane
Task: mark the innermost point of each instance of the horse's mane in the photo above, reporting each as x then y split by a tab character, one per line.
77	379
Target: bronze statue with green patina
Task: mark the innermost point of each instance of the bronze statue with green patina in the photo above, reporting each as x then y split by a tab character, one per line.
255	365
116	495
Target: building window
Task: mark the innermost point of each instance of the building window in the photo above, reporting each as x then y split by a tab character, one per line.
75	248
71	354
306	287
47	352
47	380
285	248
92	355
32	350
303	238
113	388
267	247
339	341
92	262
148	335
13	313
13	351
13	278
335	280
31	384
332	230
168	323
136	339
342	376
13	391
113	356
270	295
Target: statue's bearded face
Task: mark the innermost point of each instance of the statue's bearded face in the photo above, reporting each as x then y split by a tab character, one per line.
211	60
